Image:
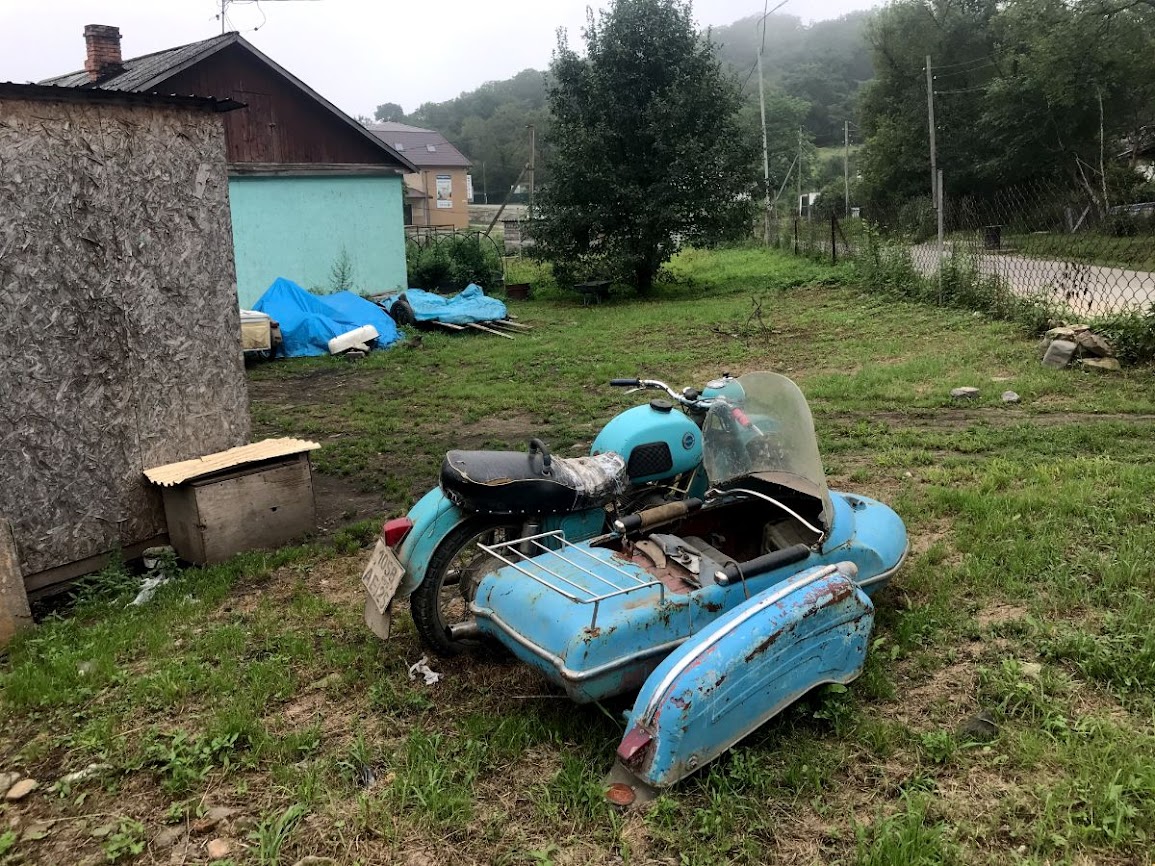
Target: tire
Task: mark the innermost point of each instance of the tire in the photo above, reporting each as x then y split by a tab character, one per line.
402	312
442	598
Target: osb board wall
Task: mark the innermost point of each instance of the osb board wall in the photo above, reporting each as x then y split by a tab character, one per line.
119	328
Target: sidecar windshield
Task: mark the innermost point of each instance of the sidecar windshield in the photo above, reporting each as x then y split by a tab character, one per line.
761	429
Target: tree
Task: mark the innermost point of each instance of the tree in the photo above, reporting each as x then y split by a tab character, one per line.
389	111
647	150
1043	90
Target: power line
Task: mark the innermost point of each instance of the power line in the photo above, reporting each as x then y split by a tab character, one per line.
978	61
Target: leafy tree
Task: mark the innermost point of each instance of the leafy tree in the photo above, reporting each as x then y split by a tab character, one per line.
648	149
1028	90
389	111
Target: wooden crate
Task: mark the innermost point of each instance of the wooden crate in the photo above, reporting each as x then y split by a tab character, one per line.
243	499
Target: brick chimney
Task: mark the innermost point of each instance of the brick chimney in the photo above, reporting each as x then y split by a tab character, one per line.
103	50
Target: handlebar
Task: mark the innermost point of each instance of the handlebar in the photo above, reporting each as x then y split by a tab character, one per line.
696	403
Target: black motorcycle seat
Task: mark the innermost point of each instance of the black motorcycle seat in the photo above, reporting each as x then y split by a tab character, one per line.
517	482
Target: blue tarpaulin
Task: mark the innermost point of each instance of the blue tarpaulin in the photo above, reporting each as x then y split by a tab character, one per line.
469	305
309	322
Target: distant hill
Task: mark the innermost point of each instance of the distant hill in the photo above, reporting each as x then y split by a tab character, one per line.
823	64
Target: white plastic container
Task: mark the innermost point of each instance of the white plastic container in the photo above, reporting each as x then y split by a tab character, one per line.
349	339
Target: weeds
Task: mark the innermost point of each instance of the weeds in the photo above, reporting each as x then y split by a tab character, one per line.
906	839
273	832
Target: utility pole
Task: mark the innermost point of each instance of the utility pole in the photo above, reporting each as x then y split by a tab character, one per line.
765	147
762	108
930	123
800	172
532	165
846	165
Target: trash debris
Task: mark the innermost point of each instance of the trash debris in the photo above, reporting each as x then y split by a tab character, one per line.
421	667
84	775
162	567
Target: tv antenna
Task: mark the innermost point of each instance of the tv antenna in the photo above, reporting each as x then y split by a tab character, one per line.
223	11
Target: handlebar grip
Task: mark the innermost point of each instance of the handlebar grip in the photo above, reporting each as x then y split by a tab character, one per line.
732	574
654	516
626	383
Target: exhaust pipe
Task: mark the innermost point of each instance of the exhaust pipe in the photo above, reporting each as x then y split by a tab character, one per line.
467	630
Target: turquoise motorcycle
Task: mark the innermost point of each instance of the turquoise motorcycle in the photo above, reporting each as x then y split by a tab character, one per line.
718	611
647	456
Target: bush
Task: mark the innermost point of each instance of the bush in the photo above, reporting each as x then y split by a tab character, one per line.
453	262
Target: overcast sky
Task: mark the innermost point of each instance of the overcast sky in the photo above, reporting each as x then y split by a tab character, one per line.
356	53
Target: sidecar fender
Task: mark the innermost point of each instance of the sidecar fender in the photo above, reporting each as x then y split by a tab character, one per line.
746	667
434	517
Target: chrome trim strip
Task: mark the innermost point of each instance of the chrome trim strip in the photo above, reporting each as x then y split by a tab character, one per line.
658	696
889	573
566	673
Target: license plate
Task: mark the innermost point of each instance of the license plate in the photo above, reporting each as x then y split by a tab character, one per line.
382	576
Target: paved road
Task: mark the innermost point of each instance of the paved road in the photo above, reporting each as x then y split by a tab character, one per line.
1090	289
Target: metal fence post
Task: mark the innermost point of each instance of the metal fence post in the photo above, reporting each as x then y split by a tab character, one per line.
795	235
940	235
833	243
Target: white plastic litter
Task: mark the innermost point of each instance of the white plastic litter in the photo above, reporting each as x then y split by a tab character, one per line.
422	668
349	339
148	588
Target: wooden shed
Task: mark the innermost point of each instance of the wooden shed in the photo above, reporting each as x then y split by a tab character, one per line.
120	334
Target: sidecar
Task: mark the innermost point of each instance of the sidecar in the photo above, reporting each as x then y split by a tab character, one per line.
719	612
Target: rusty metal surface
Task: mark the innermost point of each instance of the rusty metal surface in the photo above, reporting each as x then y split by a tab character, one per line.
753	662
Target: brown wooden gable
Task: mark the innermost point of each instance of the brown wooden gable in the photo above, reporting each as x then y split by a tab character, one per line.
282	124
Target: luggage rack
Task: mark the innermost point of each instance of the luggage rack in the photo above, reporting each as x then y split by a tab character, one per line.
524	550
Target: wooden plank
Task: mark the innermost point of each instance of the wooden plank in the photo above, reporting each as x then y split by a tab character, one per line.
508	324
58	579
490	330
448	325
15	615
262	509
184	529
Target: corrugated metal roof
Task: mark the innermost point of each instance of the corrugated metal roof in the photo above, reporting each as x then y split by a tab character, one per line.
186	470
425	148
139	72
149	71
87	94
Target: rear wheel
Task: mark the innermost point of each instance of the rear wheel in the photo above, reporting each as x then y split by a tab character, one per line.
457	565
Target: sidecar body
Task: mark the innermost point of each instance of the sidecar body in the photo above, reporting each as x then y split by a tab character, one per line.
718	616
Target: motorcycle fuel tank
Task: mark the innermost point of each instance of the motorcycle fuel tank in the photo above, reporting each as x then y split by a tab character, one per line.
656	441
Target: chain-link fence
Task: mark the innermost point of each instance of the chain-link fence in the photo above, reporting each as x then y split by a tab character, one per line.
1062	245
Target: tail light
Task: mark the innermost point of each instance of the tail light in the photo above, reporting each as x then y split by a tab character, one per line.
395	530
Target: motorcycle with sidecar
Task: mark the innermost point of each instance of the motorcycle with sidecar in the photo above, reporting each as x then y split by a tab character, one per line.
719	610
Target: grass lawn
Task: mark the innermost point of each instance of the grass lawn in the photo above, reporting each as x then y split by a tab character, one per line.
248	702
